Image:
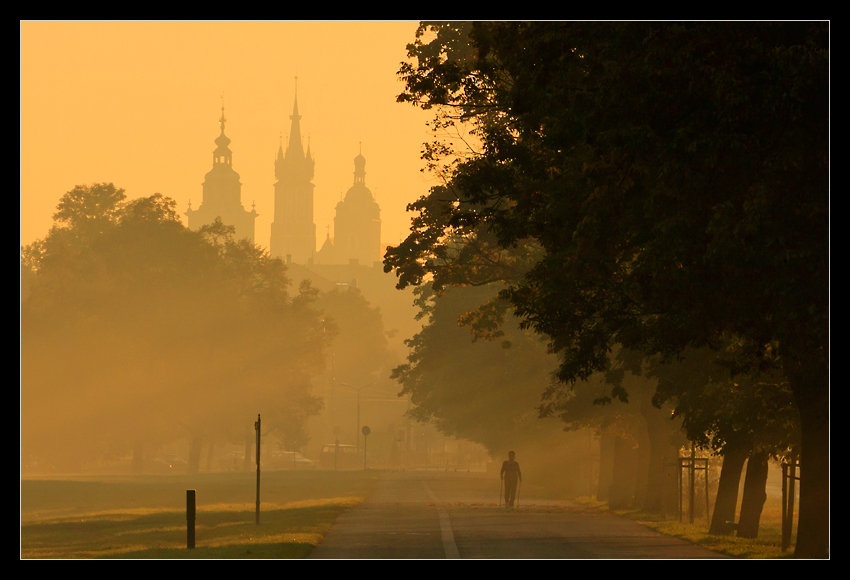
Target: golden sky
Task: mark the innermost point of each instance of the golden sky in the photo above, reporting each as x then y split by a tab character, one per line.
138	103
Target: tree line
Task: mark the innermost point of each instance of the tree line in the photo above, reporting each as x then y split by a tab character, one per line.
654	199
137	332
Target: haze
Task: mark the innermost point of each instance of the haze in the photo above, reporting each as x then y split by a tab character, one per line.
600	277
138	103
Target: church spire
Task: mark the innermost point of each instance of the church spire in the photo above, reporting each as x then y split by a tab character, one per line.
222	153
295	144
293	230
360	167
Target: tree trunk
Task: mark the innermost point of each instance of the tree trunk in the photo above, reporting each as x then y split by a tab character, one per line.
210	456
606	466
813	522
727	492
809	378
643	459
659	429
195	454
625	465
754	495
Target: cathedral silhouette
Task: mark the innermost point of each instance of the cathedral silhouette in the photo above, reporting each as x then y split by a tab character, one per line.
223	193
348	261
357	225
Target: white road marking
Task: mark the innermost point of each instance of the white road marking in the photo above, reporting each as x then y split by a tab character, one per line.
449	545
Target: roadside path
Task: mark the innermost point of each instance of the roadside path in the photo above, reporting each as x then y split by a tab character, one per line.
435	515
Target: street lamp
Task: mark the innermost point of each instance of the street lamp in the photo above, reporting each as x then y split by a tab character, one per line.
358	389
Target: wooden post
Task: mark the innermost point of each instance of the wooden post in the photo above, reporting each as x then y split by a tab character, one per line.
791	494
692	490
789	477
257	427
679	468
707	512
786	539
190	518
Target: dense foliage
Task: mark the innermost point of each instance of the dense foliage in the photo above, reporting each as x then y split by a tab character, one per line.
674	178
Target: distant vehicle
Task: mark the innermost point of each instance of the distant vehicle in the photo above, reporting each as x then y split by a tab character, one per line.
349	457
288	460
167	464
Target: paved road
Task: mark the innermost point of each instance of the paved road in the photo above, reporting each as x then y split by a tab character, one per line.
423	515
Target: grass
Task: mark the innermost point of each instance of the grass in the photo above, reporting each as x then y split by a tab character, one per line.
768	544
145	517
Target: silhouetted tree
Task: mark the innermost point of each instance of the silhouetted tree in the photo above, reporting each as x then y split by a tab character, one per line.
486	391
675	177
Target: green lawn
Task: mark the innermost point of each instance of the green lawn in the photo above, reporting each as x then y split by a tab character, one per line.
145	516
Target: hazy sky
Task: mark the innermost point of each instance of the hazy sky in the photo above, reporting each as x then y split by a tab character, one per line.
138	104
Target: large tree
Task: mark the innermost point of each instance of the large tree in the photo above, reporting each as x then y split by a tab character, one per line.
675	177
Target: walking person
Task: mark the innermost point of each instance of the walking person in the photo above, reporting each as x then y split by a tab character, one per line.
510	475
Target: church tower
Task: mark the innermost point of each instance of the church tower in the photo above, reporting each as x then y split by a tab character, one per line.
293	233
222	193
357	225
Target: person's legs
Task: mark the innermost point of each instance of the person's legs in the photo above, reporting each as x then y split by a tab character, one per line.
510	493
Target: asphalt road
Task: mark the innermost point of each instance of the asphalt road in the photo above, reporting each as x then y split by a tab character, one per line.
435	515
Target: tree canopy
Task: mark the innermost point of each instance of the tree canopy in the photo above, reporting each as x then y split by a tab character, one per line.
136	331
675	178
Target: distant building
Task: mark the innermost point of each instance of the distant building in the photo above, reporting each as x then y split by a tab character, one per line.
357	225
293	233
222	193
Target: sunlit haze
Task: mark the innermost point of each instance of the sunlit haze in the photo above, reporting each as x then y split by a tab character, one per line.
138	104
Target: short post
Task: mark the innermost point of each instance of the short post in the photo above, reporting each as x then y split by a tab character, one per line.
190	518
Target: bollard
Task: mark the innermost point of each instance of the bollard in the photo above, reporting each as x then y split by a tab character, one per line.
190	518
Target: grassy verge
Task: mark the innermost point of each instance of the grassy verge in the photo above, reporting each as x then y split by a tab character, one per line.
145	517
767	545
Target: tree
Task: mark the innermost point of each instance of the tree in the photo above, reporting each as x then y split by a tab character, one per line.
360	345
747	416
480	390
137	331
480	382
672	209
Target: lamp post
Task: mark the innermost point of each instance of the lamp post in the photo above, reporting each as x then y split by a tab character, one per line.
358	389
366	432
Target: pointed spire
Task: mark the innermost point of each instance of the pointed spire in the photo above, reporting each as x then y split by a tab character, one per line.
295	144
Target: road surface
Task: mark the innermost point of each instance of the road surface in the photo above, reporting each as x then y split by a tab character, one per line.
431	514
